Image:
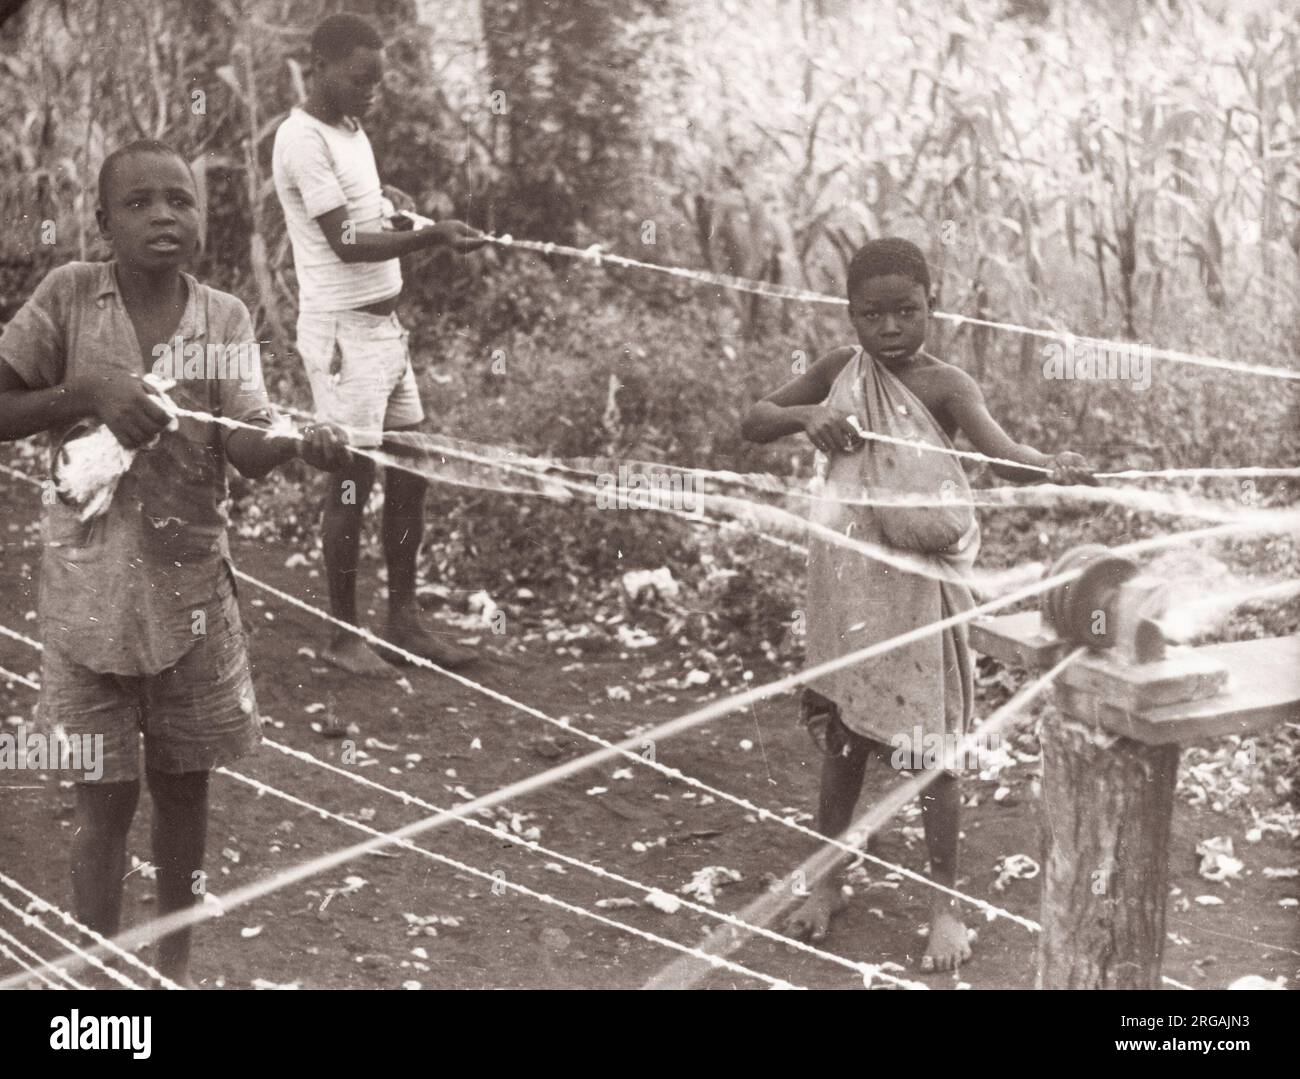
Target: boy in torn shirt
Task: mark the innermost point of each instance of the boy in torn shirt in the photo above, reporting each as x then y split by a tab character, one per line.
137	603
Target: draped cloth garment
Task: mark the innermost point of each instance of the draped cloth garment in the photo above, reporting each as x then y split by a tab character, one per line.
855	600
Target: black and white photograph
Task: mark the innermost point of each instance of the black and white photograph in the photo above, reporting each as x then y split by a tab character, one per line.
650	494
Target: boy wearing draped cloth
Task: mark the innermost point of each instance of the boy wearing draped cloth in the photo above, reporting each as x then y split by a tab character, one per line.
889	385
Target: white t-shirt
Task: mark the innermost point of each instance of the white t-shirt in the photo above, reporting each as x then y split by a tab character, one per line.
318	167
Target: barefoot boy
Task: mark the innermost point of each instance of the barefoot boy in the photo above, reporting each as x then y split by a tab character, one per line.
138	612
860	712
351	341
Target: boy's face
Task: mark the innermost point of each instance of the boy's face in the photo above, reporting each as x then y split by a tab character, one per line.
152	214
351	85
889	314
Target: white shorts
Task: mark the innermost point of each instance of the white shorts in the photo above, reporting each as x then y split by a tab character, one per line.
359	367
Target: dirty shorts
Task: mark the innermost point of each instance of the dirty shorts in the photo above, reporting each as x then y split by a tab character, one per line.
195	715
360	372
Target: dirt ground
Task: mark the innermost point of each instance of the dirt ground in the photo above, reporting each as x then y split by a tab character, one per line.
414	921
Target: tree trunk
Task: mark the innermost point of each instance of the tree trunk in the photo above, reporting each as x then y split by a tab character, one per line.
1107	803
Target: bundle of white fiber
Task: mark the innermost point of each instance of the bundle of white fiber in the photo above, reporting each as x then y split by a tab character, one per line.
88	466
87	469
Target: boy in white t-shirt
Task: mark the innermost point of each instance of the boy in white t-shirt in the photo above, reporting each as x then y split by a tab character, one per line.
351	342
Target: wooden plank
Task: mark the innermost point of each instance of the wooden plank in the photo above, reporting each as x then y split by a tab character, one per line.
1018	640
1263	689
1186	675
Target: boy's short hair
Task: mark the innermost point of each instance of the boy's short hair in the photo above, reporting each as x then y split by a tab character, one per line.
336	37
134	149
887	255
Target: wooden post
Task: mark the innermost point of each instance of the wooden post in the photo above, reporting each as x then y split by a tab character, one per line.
1110	761
1106	806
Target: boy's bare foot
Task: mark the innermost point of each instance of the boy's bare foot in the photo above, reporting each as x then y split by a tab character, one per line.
949	943
812	920
355	656
411	635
